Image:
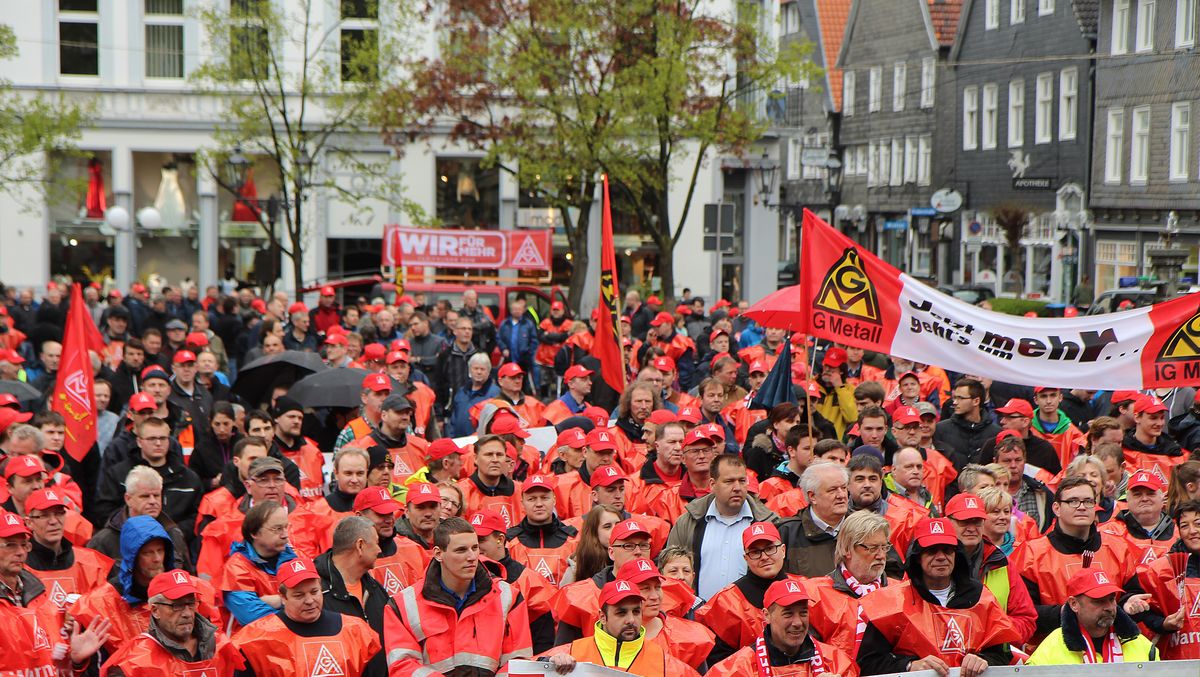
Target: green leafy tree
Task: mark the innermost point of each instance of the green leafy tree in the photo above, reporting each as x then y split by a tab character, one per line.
36	134
558	92
298	92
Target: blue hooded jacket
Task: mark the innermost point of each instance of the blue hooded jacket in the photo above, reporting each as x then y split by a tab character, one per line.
136	532
245	605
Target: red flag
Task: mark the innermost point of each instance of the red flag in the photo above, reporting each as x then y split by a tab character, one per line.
73	396
607	347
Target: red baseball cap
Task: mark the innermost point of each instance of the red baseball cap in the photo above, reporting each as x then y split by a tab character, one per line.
400	344
336	339
1092	582
1147	480
9	416
297	307
965	506
683	310
834	357
328	291
571	437
488	522
602	439
759	367
715	432
296	571
374	352
639	571
720	303
615	592
908	374
664	364
760	532
183	357
441	448
785	593
1038	389
905	416
510	369
377	382
508	425
627	530
172	584
538	482
1016	406
661	416
712	336
697	436
11	356
24	466
9	400
138	288
397	356
1149	404
377	499
577	371
689	415
420	493
935	531
596	415
1119	396
142	402
12	525
259	306
511	451
606	476
44	499
557	305
654	300
1004	434
197	338
661	319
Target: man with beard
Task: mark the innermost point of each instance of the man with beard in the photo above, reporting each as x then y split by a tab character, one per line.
940	618
178	640
867	493
303	636
1093	628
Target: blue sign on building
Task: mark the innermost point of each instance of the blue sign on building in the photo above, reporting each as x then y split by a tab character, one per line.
895	225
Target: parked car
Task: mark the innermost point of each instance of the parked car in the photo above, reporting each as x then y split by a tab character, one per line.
1110	301
969	293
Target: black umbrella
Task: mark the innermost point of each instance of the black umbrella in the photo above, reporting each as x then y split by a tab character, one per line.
256	380
777	388
340	387
20	390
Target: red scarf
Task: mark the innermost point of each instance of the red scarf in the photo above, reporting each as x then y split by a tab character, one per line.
860	589
762	657
1111	652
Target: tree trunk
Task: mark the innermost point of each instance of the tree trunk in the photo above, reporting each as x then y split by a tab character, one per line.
577	240
296	233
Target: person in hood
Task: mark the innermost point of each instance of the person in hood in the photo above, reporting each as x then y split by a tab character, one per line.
179	640
146	550
968	428
1094	629
940	618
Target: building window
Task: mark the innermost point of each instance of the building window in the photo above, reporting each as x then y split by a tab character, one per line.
1139	156
1185	23
1043	115
814	172
360	41
78	37
1068	104
1016	11
1114	260
164	38
897	177
1016	114
910	160
1045	7
249	41
862	160
885	163
848	93
899	85
970	118
872	163
925	160
1145	26
1181	137
1120	27
991	115
791	18
1114	146
928	81
795	148
875	102
991	15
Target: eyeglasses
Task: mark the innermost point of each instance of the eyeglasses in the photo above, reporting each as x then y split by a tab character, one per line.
178	606
156	440
17	545
271	482
873	549
61	515
759	553
450	502
277	530
634	547
1077	503
911	427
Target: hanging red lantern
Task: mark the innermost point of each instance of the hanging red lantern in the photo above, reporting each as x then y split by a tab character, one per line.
95	202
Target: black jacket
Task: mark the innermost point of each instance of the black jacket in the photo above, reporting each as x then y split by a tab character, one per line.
1163	446
339	600
809	550
107	541
965	437
181	496
451	371
1039	452
553	534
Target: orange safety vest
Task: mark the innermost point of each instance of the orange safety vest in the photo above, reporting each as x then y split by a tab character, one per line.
771	487
902	516
915	627
89	571
556	412
360	427
143	656
241	575
578	604
1158	579
546	351
938	474
1038	561
789	503
732	617
272	650
406	460
651	661
402	569
1066	444
1144	549
309	459
422	398
686	640
28	638
1156	463
833	614
218	536
550	563
631	454
128	621
744	664
475	501
218	502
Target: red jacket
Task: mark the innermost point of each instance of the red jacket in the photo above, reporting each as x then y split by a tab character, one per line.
506	500
309	459
686	640
144	656
744	664
1158	579
89	570
430	638
29	633
273	650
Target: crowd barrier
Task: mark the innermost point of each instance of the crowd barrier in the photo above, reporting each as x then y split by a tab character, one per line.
1151	669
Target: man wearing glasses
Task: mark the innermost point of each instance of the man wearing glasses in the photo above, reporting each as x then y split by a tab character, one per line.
576	605
178	641
182	488
64	569
29	618
1047	563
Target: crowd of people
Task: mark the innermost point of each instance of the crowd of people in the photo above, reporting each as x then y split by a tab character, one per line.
885	516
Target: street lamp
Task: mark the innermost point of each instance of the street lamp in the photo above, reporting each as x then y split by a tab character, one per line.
833	176
766	177
236	167
304	166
